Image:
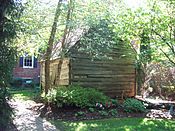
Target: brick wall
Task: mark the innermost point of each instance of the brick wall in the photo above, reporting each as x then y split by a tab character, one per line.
27	73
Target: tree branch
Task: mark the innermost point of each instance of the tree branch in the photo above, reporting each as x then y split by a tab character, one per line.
169	44
67	24
168	57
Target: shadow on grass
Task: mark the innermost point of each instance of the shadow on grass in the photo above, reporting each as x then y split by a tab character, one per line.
123	124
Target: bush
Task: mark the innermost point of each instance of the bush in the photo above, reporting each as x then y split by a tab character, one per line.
113	112
111	103
91	109
103	113
5	110
115	102
133	105
79	114
75	96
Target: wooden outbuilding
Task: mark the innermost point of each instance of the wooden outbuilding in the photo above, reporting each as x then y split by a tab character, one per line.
115	74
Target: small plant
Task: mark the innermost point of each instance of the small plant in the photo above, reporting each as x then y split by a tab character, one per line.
108	104
113	112
103	113
133	105
80	113
111	103
114	102
91	109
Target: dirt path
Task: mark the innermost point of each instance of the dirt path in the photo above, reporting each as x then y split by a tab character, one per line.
28	120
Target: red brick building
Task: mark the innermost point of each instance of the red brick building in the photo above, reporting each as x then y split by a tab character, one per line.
27	69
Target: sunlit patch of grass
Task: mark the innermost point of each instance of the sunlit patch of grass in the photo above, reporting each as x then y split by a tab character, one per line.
23	94
122	124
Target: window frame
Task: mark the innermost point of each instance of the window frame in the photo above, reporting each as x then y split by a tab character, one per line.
24	57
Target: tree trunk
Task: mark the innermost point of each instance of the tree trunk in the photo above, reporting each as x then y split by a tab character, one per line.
66	31
49	48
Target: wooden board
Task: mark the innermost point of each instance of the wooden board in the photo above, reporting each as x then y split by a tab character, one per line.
55	80
110	76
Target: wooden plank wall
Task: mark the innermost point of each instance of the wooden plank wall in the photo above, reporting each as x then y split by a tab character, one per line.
115	77
54	66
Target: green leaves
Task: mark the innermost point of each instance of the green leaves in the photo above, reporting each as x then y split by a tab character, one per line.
75	96
10	11
133	105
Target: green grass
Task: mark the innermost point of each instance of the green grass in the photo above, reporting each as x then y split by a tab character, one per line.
23	94
122	124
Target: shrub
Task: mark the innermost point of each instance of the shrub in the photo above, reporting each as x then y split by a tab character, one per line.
111	103
113	112
75	96
114	102
133	105
103	113
5	110
91	109
80	113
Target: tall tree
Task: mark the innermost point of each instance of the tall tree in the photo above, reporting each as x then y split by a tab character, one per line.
51	42
9	13
50	47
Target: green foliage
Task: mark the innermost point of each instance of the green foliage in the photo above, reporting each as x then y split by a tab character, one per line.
91	109
133	105
10	11
38	16
115	102
113	112
80	113
9	14
6	111
150	25
103	113
75	96
99	39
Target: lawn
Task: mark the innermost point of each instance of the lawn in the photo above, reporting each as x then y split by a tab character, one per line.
116	124
23	94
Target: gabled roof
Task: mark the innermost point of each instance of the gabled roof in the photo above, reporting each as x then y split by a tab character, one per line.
71	39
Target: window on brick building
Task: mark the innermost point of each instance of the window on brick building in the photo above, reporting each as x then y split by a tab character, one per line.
28	62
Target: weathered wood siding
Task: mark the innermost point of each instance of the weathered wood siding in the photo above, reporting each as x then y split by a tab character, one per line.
114	77
55	65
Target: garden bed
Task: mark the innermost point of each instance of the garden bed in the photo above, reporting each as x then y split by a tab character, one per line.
76	103
76	114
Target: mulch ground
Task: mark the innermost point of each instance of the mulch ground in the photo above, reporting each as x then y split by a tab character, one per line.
70	113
